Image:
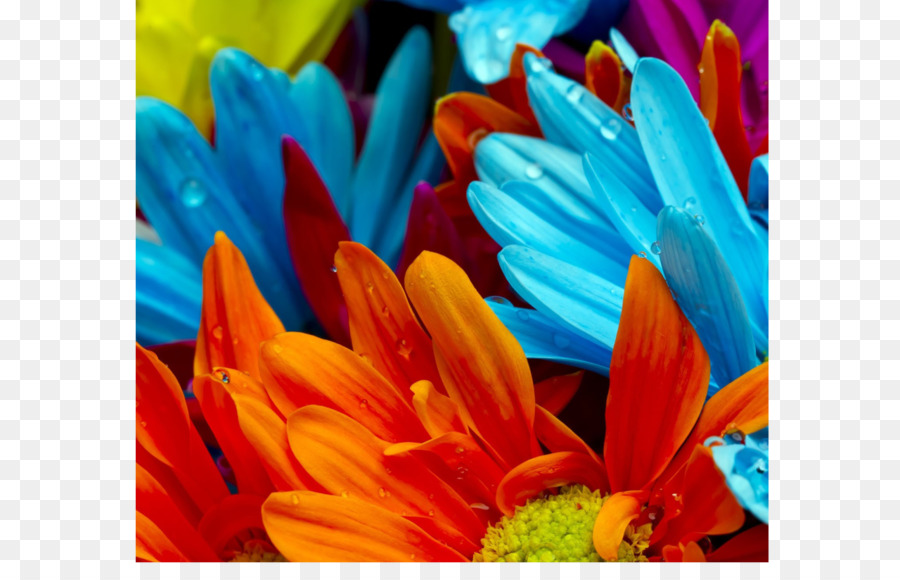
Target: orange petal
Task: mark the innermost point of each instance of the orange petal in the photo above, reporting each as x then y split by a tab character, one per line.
241	383
463	119
720	99
556	436
616	513
512	90
312	527
658	379
484	369
438	413
152	545
231	516
221	415
382	324
604	76
531	477
689	553
153	499
709	507
300	369
346	458
267	433
749	546
235	318
166	477
164	430
555	393
743	404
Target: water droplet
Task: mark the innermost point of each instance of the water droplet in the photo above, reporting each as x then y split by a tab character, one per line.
626	112
364	404
256	71
534	171
700	219
294	499
462	469
574	93
523	315
642	254
345	494
473	139
370	287
385	311
381	492
761	466
333	268
192	193
655	513
143	423
224	376
430	496
498	300
539	64
561	341
690	202
610	129
431	513
403	348
277	348
503	33
217	332
734	436
460	449
480	506
655	248
705	544
412	556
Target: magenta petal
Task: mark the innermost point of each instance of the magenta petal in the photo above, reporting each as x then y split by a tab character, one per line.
429	228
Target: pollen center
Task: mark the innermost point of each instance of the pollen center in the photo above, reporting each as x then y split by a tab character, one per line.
556	528
258	551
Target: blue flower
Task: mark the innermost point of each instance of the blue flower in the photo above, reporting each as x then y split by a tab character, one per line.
188	189
571	209
745	463
487	31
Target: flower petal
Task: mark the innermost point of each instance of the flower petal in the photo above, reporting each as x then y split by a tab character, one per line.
382	324
556	436
511	90
168	293
554	394
233	515
314	228
347	459
707	293
531	477
758	192
604	77
236	318
624	49
152	545
658	380
615	514
301	369
438	413
313	527
482	366
749	546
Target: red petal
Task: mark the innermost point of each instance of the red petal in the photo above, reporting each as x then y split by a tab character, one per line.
512	90
531	477
749	546
604	76
228	518
314	228
429	228
555	393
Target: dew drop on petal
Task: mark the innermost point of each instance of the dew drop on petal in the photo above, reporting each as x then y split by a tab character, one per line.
523	315
642	254
381	492
503	33
655	248
345	493
217	332
700	219
690	202
626	112
561	341
364	404
333	268
610	129
370	287
385	311
534	171
431	513
498	300
224	376
277	348
192	193
574	93
403	347
294	499
480	506
460	449
257	71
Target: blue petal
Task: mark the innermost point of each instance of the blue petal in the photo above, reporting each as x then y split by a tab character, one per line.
184	195
758	192
392	136
746	470
627	54
168	295
502	157
487	31
690	171
570	296
523	214
636	225
330	139
542	338
707	293
576	119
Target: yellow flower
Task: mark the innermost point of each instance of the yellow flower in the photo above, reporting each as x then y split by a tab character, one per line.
176	40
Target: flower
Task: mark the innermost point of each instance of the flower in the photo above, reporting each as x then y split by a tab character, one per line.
176	42
745	462
188	190
571	208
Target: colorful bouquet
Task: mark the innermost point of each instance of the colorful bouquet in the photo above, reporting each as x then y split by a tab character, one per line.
498	295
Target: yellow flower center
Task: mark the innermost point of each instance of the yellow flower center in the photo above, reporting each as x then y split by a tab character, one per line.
258	552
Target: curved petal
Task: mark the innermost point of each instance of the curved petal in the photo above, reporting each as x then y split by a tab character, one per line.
168	295
627	53
233	515
657	382
347	459
746	469
438	413
235	318
616	513
382	324
152	545
482	366
392	135
603	75
749	546
511	91
531	477
573	297
301	369
707	293
758	192
556	436
312	527
554	394
314	229
690	171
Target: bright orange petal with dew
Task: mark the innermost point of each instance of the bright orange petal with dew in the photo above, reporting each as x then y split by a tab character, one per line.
531	477
512	91
616	513
165	431
301	369
743	404
152	545
484	369
382	324
720	99
555	393
658	379
604	76
241	383
346	458
556	436
235	514
267	433
313	527
749	546
153	499
235	318
438	413
221	415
